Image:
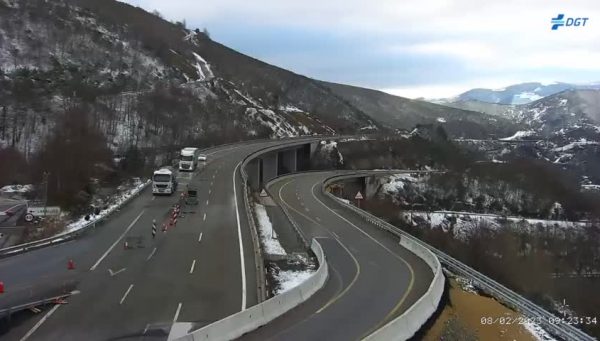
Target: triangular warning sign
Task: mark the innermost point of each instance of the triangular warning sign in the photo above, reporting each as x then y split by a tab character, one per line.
358	196
263	193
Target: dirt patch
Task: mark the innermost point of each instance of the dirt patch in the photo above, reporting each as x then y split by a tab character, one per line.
463	315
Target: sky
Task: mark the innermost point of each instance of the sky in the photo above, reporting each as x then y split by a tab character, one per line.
425	48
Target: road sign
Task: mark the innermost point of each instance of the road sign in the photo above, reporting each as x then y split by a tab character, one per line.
358	196
29	217
44	211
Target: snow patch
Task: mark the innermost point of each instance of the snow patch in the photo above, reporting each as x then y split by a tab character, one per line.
581	142
290	279
268	237
117	202
17	189
537	331
519	135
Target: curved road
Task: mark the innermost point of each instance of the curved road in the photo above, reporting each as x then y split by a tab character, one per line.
193	272
203	269
372	279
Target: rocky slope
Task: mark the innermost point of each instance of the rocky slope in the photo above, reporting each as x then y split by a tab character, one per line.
147	82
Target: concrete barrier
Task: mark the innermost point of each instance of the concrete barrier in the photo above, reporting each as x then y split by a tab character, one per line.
250	319
406	325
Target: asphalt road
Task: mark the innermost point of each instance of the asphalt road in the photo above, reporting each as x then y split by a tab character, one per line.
372	279
193	272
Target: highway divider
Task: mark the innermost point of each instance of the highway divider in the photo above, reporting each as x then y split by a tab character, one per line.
254	317
549	322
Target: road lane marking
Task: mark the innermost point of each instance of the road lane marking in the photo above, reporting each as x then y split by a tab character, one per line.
37	325
354	279
291	207
204	217
237	216
206	202
117	241
192	267
410	269
151	254
153	198
209	191
112	273
146	329
211	183
126	293
200	237
177	313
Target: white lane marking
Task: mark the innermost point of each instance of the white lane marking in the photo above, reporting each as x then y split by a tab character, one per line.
210	190
126	293
146	329
177	313
211	183
37	325
192	267
112	273
335	234
206	202
200	237
153	198
151	254
204	217
117	241
237	216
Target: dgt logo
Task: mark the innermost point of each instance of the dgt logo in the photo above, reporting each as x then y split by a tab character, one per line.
559	21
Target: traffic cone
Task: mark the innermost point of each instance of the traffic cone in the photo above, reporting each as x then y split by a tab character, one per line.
1	287
70	265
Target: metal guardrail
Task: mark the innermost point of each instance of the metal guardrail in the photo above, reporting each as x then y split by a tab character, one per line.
65	236
548	321
261	283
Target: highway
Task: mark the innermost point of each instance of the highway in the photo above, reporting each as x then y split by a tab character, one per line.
372	279
193	272
202	269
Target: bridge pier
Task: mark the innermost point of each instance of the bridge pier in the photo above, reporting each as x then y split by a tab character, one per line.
269	169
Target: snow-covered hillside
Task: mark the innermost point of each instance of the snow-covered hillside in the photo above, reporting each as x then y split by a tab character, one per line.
517	94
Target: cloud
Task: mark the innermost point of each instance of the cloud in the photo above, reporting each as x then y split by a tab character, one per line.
419	45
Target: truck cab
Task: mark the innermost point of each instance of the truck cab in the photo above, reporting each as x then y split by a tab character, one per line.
164	181
188	159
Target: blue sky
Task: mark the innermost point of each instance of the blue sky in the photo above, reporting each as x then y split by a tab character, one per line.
427	48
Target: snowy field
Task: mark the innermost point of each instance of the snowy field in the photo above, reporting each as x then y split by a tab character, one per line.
463	224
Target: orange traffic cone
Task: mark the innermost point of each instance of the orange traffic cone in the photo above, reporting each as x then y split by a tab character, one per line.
70	265
1	287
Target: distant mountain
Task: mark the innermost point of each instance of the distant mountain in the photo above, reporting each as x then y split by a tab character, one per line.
517	94
564	128
402	113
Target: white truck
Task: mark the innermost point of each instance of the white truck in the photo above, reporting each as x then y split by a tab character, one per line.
164	181
188	159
